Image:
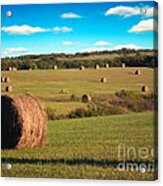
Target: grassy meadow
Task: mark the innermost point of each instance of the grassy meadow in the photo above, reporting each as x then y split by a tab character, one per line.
86	147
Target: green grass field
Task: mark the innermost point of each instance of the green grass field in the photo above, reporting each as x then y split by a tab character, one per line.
84	148
87	147
54	88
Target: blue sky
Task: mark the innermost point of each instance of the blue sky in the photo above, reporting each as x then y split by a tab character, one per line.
70	28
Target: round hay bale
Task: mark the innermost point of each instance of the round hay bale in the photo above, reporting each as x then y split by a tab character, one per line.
9	68
86	98
55	67
97	67
137	72
106	65
24	122
14	69
103	80
145	89
7	80
123	65
2	79
30	69
9	88
81	67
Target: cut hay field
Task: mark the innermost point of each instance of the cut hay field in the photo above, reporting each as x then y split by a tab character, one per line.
85	148
54	88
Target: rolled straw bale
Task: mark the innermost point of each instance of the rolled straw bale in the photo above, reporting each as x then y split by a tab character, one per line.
86	98
97	67
81	67
24	122
123	65
137	72
103	80
107	65
145	89
2	79
9	68
9	88
7	80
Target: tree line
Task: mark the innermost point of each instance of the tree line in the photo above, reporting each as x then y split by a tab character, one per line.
131	57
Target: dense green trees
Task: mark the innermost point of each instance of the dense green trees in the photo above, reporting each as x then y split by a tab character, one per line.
132	58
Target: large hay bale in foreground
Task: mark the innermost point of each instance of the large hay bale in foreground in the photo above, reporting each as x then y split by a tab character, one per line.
9	88
24	122
7	80
145	89
137	72
86	98
103	80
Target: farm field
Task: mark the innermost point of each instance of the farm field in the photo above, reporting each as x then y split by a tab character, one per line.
85	148
55	87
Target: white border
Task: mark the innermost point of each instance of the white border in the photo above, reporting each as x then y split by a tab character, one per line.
65	182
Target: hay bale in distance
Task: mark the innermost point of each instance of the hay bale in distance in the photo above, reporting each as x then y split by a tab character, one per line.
9	88
137	72
103	80
123	65
81	67
106	65
9	68
2	79
145	89
55	67
7	80
14	69
86	98
97	67
24	122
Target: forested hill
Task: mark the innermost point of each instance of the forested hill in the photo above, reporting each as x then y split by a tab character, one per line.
131	57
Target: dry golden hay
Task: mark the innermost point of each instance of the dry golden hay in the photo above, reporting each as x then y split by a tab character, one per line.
81	67
106	65
103	80
145	89
2	79
86	98
14	69
123	65
55	67
97	67
30	69
7	80
9	88
24	122
138	72
9	68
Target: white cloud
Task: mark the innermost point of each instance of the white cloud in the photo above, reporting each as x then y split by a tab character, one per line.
101	44
70	15
11	51
23	30
145	26
62	29
128	46
67	43
127	11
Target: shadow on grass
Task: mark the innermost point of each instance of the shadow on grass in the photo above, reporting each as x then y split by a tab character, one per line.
75	162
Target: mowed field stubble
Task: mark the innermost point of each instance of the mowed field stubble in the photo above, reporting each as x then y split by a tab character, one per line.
85	147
